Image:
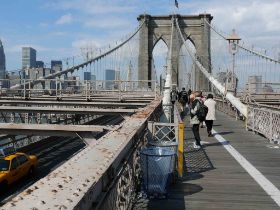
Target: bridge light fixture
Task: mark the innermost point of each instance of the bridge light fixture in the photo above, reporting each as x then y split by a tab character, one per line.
233	41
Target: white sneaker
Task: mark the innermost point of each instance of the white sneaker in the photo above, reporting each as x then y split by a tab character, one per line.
194	145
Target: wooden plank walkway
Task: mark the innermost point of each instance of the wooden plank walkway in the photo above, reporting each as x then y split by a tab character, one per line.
215	180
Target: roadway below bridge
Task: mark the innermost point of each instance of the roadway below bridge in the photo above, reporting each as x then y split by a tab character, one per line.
53	152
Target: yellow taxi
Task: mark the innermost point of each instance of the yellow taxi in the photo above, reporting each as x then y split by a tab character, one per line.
15	165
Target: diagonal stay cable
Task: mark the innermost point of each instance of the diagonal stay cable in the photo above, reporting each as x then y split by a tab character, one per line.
232	99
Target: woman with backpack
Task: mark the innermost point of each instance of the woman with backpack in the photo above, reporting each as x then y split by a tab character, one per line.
210	103
195	107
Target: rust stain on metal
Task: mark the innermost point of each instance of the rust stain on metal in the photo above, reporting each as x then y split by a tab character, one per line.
28	191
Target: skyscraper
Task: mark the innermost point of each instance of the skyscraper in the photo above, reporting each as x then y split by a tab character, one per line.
56	66
2	62
110	76
39	64
28	57
87	75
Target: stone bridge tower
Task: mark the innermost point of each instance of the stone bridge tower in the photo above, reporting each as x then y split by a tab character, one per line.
193	28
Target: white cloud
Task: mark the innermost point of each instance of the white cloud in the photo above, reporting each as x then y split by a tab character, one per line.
18	48
110	23
86	43
64	19
92	6
251	16
58	33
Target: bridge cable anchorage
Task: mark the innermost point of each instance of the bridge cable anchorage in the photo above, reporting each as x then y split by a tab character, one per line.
229	96
78	66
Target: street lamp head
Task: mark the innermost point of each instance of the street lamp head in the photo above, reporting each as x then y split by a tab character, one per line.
233	40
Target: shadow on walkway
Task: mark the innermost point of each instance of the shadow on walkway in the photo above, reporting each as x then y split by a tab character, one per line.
196	161
175	199
225	133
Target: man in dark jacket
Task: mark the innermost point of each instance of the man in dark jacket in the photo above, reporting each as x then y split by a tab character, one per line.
183	98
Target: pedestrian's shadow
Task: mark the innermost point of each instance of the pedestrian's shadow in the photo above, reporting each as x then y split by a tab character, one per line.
224	133
196	161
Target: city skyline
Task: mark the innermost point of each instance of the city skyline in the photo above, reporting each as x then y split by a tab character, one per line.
73	26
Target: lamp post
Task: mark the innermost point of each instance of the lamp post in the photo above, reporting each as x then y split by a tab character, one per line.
233	40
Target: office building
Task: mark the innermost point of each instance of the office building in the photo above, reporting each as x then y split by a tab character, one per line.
87	76
110	76
39	64
28	57
93	77
13	79
47	83
2	62
56	66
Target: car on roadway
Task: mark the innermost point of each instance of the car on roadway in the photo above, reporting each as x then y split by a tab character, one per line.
14	166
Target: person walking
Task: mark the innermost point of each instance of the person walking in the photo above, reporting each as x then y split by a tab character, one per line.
183	98
173	96
194	118
210	117
203	99
189	96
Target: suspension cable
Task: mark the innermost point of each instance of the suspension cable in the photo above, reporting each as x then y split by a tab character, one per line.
77	67
242	47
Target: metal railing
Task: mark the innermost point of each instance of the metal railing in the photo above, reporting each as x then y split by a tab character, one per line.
264	121
83	88
224	106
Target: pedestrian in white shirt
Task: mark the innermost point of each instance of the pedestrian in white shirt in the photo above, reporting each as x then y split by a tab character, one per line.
210	117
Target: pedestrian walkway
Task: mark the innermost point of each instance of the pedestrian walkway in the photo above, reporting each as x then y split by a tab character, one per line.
214	179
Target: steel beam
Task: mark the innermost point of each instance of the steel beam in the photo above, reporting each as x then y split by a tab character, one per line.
16	109
50	130
70	103
113	100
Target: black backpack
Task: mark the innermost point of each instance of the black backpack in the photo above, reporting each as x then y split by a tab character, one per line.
184	96
202	111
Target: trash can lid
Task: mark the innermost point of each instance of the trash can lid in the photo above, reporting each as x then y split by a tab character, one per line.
157	151
163	143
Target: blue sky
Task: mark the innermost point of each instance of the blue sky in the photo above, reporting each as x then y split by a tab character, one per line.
58	28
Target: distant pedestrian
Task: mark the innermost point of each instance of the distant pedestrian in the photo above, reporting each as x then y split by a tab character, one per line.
189	96
194	117
203	99
173	95
211	104
183	98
